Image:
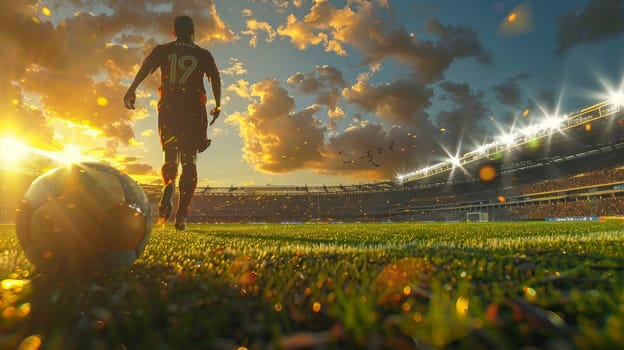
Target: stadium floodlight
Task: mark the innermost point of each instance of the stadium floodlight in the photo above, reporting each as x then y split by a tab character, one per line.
483	149
507	139
617	98
552	123
454	161
530	131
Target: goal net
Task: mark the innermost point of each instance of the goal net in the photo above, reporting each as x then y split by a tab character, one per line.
477	216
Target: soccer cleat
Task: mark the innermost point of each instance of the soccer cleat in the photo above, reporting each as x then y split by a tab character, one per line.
166	203
180	223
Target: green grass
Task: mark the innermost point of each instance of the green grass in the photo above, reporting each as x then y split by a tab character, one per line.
332	286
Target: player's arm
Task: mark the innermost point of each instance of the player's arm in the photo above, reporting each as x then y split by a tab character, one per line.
146	68
215	83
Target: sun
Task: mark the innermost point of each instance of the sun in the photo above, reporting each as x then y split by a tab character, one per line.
14	151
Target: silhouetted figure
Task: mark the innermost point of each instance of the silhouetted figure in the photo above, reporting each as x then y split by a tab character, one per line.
182	117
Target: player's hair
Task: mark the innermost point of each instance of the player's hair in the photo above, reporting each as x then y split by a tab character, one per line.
183	27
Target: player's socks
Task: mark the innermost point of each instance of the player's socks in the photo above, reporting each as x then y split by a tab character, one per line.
184	201
166	203
188	183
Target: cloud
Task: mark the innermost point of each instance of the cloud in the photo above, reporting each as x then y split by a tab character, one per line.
216	131
322	17
34	41
307	83
276	139
139	169
282	5
332	75
18	117
329	98
73	65
241	88
509	92
465	120
401	101
324	82
255	26
235	67
360	25
598	20
372	152
66	74
322	77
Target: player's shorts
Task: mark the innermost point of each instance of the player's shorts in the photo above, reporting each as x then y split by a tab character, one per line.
183	120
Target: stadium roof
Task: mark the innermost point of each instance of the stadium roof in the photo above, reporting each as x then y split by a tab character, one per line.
516	139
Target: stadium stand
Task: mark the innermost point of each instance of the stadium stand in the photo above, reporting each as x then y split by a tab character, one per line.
573	170
590	185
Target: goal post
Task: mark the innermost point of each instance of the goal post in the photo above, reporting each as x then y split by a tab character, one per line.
477	216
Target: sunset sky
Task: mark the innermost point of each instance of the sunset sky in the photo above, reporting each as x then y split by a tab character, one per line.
314	92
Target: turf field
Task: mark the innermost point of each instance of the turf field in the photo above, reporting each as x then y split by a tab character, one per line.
332	286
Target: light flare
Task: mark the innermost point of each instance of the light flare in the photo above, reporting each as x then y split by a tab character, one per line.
21	151
617	98
17	150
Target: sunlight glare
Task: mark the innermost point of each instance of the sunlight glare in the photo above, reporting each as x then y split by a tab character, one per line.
70	154
617	98
13	151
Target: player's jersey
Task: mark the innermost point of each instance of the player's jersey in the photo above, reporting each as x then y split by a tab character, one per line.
182	117
182	67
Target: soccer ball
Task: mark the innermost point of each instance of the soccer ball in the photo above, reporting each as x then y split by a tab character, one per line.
82	216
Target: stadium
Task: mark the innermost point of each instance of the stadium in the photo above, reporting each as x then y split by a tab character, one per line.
405	175
566	168
460	254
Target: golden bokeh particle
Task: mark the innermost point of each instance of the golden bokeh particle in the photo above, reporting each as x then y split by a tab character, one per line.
487	173
32	342
461	306
316	307
525	112
102	101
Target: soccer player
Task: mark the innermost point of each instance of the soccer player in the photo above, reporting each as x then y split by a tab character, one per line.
182	117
